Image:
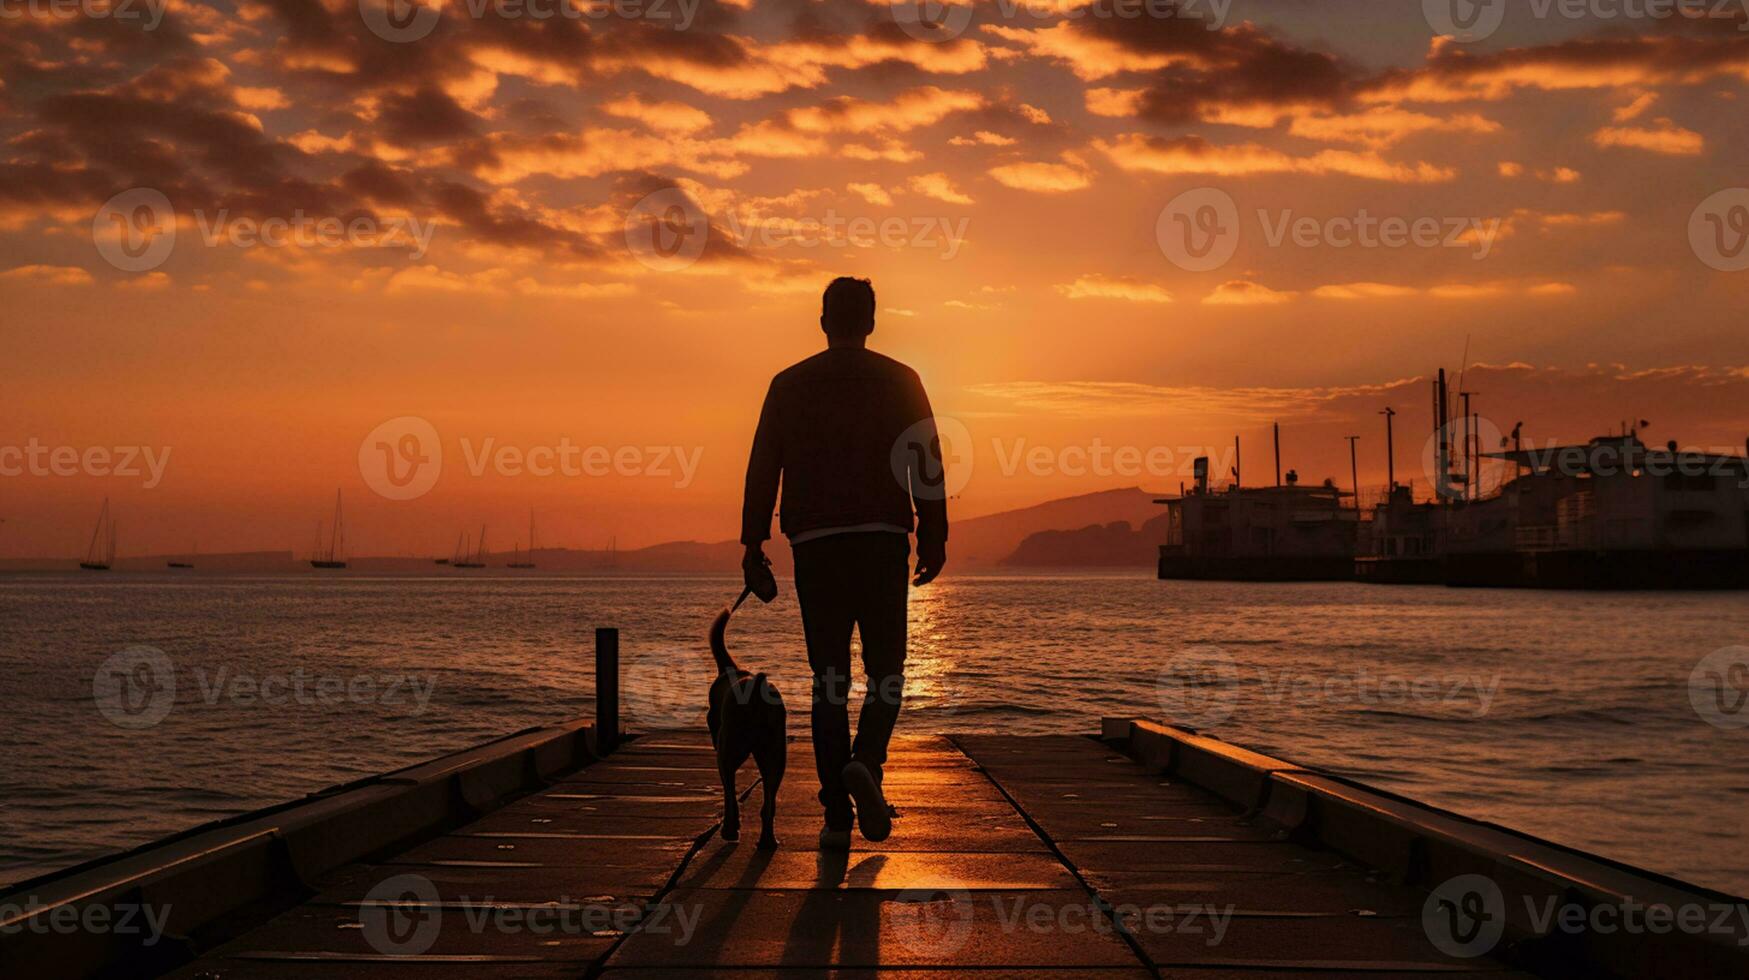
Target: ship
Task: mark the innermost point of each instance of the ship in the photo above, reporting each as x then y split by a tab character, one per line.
1611	513
1608	513
100	553
516	559
194	550
329	557
1288	532
475	560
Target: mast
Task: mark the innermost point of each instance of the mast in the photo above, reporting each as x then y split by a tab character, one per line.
337	535
97	532
1276	427
1390	451
1442	429
1354	470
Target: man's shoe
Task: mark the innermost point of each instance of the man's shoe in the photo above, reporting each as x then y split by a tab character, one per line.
834	840
873	817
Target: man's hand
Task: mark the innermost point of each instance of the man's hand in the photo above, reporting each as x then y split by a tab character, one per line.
930	559
756	573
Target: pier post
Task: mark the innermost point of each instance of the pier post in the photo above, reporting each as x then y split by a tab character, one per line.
607	687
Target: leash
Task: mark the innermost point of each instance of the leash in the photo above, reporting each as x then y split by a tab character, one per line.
765	588
744	594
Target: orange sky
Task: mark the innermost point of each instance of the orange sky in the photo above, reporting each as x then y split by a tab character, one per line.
1570	168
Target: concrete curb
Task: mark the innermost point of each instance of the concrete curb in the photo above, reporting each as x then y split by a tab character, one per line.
216	881
1422	845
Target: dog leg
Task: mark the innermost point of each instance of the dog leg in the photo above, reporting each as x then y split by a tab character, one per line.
772	761
727	765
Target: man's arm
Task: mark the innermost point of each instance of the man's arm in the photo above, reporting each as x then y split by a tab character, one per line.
764	470
931	502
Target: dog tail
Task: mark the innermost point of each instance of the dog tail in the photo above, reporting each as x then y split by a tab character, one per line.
720	649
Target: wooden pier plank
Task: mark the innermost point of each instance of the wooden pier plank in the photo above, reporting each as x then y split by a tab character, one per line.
1007	858
1155	848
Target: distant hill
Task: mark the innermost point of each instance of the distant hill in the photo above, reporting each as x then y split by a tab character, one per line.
1097	545
989	541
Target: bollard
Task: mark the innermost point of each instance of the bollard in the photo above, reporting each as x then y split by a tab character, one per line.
607	688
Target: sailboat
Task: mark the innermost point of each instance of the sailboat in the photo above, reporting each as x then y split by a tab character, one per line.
460	549
517	562
478	558
100	553
330	558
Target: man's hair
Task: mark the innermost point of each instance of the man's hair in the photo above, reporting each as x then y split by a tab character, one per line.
847	307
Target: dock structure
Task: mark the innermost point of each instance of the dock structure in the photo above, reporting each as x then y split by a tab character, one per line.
1146	851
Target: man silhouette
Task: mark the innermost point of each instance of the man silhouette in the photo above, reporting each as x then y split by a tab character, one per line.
850	435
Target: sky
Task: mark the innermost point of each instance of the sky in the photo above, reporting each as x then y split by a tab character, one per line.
469	261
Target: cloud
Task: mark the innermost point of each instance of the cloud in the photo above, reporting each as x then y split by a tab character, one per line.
940	187
49	275
1114	102
739	67
1445	291
149	282
1614	63
1636	108
872	193
1364	290
1240	292
661	116
1042	177
1668	138
908	110
1114	399
261	98
1383	126
1195	155
983	137
1099	286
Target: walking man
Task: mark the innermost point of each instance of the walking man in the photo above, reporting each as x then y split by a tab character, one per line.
850	436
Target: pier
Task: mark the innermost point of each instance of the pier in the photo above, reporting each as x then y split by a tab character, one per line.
1140	850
